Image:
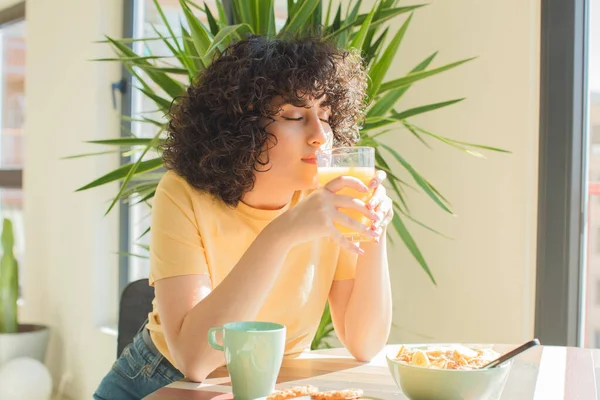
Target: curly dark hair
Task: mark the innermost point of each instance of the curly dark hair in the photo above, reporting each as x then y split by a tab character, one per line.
216	140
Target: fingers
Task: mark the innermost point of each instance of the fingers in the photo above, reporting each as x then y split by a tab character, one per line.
342	182
378	179
352	203
379	196
385	212
352	224
344	243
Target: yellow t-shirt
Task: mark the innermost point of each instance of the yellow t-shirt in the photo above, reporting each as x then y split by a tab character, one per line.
195	233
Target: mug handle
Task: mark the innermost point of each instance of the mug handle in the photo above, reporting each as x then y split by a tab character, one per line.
212	338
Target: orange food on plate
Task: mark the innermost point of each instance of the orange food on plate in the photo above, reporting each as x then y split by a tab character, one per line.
313	392
296	391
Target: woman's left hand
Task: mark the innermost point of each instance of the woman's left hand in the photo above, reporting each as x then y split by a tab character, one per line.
380	203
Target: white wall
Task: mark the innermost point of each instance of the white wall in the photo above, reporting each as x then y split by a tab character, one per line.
70	272
486	274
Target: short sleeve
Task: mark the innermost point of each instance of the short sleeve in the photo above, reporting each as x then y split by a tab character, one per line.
175	243
346	266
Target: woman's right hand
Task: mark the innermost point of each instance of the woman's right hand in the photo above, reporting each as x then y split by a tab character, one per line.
315	216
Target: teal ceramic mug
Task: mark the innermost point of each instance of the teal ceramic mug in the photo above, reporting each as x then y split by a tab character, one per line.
253	353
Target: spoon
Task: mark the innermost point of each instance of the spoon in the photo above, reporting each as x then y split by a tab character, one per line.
513	353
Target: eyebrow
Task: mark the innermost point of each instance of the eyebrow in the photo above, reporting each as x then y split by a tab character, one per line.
320	104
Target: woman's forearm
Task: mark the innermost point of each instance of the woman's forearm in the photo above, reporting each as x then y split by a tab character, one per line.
368	317
238	297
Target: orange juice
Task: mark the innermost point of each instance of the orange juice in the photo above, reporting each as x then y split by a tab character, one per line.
365	174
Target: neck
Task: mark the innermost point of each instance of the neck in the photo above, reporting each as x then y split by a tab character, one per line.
267	200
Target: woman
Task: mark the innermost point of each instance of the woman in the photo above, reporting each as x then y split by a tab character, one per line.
239	231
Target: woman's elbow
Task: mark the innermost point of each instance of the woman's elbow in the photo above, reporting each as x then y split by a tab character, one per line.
364	351
194	375
363	355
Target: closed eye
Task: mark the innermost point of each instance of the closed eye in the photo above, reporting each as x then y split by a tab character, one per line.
326	120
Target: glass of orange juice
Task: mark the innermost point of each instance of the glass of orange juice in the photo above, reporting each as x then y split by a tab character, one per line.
358	162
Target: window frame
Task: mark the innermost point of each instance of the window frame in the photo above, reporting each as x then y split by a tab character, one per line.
12	178
562	185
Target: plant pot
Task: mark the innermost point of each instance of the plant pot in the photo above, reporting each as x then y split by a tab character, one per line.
30	341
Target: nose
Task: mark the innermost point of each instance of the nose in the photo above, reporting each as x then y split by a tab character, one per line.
316	132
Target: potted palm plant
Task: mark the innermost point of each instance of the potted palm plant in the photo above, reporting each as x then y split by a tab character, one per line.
16	340
190	47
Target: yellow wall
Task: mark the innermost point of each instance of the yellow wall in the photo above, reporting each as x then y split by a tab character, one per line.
8	3
485	275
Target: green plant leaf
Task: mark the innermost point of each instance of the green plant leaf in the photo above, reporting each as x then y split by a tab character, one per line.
98	153
129	58
337	21
146	197
380	68
411	245
411	78
128	254
456	143
169	29
144	233
212	22
184	60
384	16
161	102
399	209
416	134
199	34
372	51
123	142
378	122
188	46
265	17
132	170
427	187
135	187
193	4
328	13
244	11
9	281
324	329
165	82
226	34
388	101
300	17
143	246
359	38
351	16
143	120
222	13
122	172
393	178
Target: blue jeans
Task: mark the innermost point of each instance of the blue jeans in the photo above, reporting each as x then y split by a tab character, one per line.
139	371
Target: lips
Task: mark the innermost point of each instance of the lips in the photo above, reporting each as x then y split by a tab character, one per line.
312	159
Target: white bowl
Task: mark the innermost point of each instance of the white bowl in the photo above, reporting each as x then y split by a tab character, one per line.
421	383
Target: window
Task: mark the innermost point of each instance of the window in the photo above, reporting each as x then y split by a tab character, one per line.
591	316
134	264
12	114
135	219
